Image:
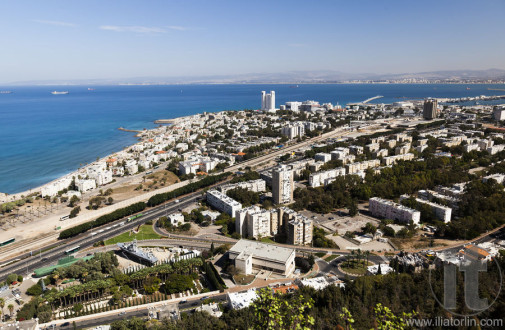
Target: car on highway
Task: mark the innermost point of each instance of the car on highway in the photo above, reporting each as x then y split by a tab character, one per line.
203	298
177	200
183	301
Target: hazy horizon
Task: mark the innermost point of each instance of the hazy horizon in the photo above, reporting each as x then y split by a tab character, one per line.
61	40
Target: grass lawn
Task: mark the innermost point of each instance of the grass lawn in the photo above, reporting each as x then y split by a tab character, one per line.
354	267
330	258
241	279
320	254
266	240
145	232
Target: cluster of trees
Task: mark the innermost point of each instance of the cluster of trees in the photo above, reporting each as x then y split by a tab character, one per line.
213	276
167	224
305	264
104	219
244	196
405	177
319	239
368	302
482	208
252	151
10	206
189	188
247	176
100	277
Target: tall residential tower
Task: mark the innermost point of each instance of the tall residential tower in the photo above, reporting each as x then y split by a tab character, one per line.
430	109
268	101
282	184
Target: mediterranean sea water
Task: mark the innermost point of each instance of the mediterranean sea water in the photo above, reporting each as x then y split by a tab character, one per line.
45	136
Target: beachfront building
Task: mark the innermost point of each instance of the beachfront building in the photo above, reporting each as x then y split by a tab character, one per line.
85	185
52	189
248	255
382	208
223	203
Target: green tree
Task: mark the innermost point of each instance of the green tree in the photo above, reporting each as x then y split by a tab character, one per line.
387	320
271	312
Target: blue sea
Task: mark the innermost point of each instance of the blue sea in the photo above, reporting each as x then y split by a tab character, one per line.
45	136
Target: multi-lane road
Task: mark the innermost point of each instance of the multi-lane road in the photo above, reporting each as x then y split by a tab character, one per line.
52	253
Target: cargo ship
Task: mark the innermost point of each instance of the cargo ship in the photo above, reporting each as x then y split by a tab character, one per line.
5	92
59	93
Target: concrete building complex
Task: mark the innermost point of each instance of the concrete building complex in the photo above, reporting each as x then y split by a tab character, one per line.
325	177
248	254
379	207
252	185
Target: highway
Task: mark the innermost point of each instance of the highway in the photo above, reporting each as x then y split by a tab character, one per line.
85	240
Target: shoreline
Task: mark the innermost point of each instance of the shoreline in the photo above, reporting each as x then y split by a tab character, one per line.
6	197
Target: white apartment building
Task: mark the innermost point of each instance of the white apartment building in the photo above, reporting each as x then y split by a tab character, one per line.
326	177
362	166
357	150
53	188
223	203
323	157
373	147
402	150
339	153
379	207
381	153
282	184
443	213
85	185
390	160
253	185
268	101
300	230
293	131
496	149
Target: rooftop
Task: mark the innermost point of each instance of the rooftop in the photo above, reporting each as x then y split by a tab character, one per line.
263	250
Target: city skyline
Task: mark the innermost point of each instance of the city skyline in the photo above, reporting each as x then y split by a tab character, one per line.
95	40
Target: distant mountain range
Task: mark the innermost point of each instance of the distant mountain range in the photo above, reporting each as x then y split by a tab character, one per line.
290	77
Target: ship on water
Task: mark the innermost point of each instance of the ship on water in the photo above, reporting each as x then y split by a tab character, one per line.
137	254
59	93
5	92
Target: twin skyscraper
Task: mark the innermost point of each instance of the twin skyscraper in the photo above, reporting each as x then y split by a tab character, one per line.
268	101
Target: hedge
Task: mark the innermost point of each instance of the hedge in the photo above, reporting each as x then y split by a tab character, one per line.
104	219
189	188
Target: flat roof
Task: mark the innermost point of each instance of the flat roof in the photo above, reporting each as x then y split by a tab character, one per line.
262	250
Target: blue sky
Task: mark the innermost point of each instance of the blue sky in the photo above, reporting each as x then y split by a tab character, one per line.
119	39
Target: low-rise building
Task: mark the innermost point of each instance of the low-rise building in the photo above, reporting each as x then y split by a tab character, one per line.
251	254
379	207
239	300
326	177
176	218
252	185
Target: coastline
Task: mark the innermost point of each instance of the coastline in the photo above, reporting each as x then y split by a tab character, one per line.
4	197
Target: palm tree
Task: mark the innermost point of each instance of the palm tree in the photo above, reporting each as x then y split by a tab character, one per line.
11	308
